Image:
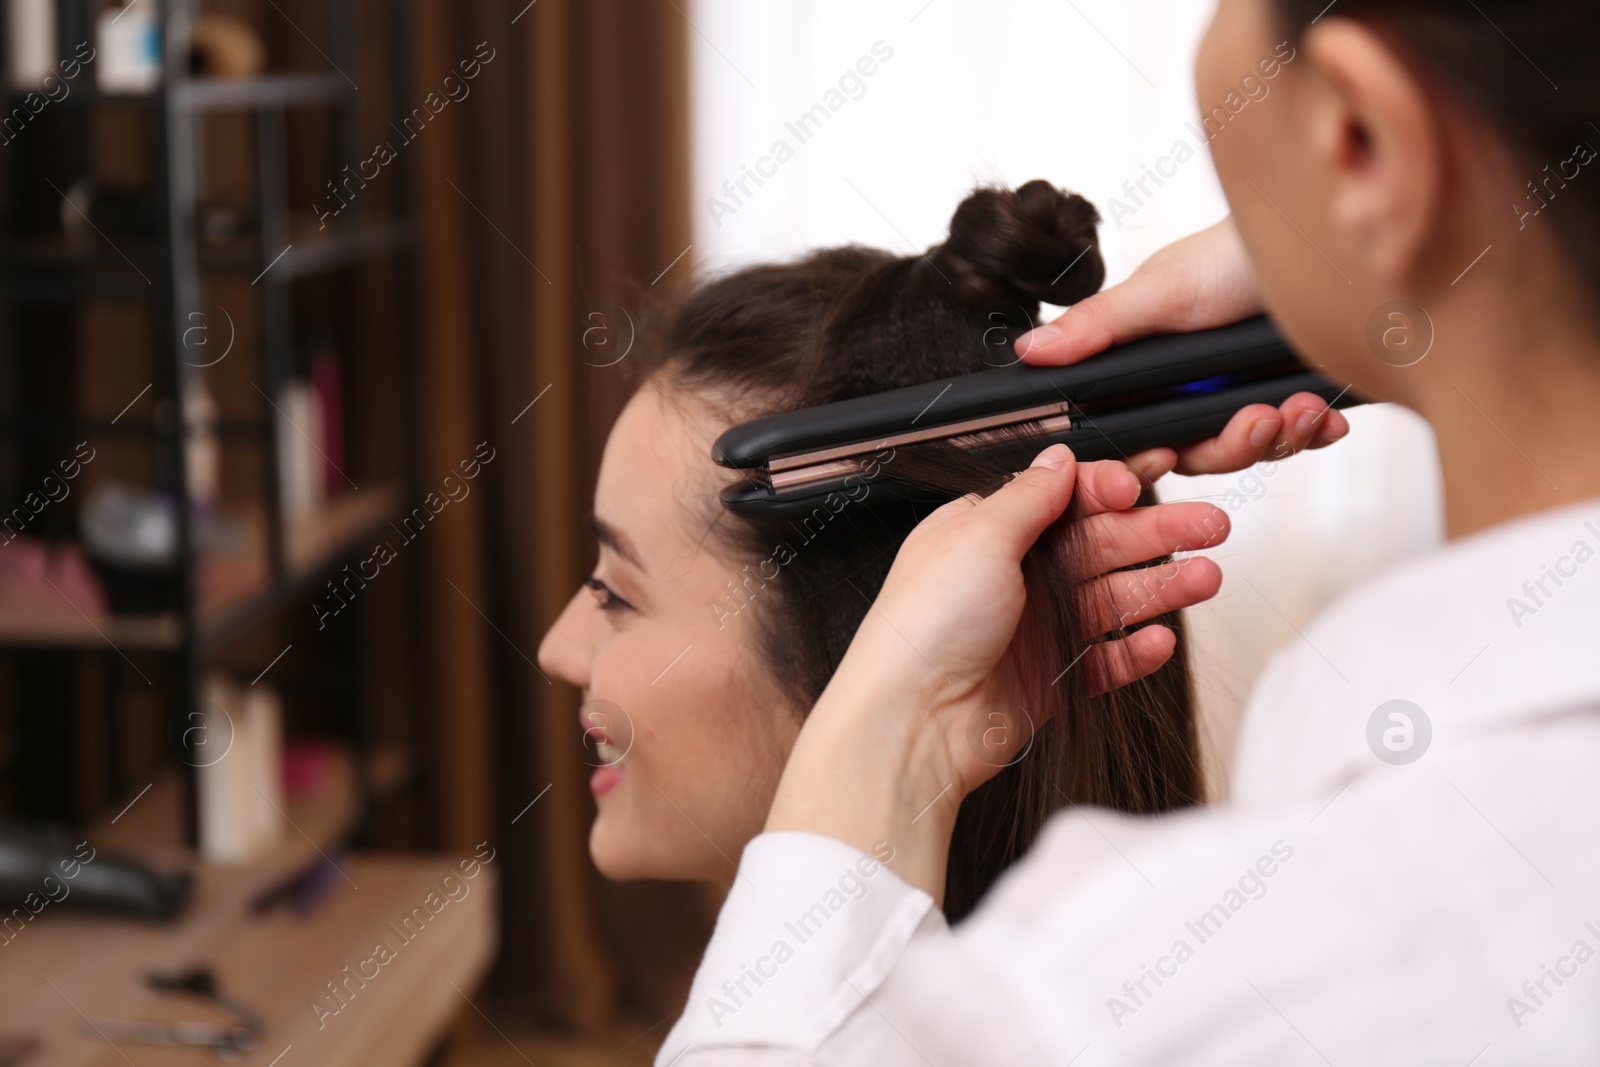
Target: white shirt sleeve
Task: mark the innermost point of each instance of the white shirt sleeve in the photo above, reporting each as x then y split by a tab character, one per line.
1388	923
1353	903
821	955
810	926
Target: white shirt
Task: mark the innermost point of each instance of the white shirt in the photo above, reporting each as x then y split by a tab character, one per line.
1338	910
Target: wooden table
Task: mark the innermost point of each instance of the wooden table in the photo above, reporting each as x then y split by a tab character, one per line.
63	967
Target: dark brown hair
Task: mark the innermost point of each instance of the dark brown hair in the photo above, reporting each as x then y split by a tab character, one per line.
844	322
1523	66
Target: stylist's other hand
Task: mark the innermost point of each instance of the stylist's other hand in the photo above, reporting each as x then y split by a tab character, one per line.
886	754
1201	281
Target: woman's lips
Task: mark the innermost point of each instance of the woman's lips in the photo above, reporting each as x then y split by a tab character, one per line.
609	772
605	779
593	732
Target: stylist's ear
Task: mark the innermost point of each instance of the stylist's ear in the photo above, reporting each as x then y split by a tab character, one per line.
1380	142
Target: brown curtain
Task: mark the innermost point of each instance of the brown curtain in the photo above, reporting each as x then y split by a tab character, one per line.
557	191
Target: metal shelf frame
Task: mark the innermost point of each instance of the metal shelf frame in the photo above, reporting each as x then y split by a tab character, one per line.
167	273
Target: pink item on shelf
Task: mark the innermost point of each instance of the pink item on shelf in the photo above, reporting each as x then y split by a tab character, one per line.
30	566
69	569
307	765
22	561
328	385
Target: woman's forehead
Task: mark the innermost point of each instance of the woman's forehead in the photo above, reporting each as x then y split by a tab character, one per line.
656	475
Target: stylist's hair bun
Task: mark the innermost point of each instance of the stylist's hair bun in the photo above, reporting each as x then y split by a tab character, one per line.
1034	243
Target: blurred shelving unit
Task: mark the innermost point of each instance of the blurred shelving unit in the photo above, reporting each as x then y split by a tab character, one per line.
167	265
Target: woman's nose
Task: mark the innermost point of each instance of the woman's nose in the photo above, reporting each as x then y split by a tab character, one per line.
566	650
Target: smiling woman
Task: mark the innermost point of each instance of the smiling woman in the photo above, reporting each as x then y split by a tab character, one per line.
710	637
699	766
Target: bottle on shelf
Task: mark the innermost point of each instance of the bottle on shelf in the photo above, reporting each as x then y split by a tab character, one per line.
203	451
236	748
128	43
31	37
299	414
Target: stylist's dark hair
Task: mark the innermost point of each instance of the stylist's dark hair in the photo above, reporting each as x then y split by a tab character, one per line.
844	322
1525	66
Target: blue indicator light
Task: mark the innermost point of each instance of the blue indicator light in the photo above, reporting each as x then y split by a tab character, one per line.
1206	385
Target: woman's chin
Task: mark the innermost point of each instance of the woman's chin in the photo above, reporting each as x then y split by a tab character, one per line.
619	855
624	854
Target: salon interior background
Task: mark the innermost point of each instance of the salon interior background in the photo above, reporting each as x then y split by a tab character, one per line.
611	148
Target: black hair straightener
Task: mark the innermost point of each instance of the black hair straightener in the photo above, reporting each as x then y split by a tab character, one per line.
1165	391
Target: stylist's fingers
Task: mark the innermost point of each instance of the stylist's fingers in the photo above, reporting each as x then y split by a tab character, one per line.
1013	516
1136	308
1113	664
1262	431
1106	485
1308	422
1154	464
1102	486
1126	598
1199	281
1242	443
1119	539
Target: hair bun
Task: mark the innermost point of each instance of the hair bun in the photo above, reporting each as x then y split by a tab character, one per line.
1035	243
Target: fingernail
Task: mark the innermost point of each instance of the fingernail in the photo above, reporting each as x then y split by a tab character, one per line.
1152	469
1331	431
1043	337
1054	457
1306	422
1264	432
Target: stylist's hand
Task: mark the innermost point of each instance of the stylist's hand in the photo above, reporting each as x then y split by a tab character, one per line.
886	754
1202	281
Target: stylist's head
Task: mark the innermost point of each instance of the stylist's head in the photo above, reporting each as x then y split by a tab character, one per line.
1419	151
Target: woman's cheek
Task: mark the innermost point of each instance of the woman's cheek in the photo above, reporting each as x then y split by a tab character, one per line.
615	687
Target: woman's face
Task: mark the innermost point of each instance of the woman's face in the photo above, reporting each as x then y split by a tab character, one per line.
692	732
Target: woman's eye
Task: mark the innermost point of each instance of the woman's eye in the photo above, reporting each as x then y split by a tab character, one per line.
604	595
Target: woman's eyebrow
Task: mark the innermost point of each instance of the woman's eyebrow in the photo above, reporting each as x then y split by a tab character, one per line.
615	540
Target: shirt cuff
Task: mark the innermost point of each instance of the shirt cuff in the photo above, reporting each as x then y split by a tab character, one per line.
810	928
